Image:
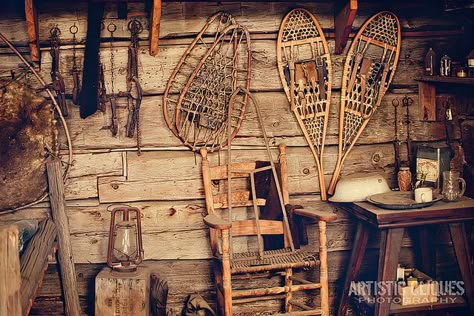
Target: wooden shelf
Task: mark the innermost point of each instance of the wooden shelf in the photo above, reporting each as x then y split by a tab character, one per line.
427	93
451	80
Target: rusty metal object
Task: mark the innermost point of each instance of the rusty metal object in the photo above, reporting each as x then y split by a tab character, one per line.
58	80
134	90
29	135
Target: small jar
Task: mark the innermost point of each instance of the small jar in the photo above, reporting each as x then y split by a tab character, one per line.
404	179
461	72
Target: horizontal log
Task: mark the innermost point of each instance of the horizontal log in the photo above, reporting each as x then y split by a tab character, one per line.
192	17
182	179
280	124
175	230
154	72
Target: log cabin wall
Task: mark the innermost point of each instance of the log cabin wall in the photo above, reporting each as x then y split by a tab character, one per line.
165	183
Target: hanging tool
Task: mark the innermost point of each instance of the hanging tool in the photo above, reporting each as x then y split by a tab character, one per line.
396	141
407	102
58	81
112	99
75	70
101	88
88	97
134	90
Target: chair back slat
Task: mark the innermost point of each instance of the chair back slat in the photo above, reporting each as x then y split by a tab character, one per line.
239	199
244	225
220	172
249	227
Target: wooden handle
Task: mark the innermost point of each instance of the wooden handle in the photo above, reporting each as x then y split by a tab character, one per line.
203	152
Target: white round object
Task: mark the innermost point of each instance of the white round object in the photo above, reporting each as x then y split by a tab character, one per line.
357	188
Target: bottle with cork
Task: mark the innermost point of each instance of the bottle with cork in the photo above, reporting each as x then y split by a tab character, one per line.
430	63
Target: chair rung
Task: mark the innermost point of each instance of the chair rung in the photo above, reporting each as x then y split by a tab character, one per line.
297	279
259	298
300	305
275	290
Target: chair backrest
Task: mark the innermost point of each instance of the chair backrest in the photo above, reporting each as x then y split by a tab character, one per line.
244	223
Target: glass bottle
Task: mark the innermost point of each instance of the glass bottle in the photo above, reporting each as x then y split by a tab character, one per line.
430	63
404	179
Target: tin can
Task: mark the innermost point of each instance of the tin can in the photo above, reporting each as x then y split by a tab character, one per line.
404	179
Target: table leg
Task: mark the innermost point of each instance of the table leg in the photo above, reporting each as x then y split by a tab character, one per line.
426	256
461	249
357	254
390	244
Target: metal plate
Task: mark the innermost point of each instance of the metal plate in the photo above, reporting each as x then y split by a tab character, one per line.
397	200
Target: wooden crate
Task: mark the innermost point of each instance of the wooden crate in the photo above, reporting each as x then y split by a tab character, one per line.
425	292
122	293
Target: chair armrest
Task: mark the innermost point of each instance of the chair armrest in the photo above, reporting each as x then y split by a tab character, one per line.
213	221
312	213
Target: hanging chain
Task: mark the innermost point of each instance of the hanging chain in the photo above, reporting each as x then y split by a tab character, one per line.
134	89
75	70
112	28
101	89
58	81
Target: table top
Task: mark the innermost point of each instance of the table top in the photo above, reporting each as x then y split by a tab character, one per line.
438	213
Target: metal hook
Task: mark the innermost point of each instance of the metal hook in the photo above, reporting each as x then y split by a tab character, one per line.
55	31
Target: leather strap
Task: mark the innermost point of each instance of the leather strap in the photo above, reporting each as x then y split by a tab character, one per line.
363	73
322	76
355	68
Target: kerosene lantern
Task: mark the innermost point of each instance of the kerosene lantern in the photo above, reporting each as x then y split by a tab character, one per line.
125	251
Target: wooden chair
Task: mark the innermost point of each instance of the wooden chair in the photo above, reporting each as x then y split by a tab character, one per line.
224	234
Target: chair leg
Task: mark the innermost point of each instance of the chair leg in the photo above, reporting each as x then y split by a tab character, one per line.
289	294
323	274
217	269
226	274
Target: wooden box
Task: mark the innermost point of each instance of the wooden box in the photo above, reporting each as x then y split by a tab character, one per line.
122	294
425	292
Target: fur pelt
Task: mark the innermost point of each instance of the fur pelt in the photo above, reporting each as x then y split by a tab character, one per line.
28	135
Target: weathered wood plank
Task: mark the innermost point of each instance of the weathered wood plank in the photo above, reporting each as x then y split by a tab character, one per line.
81	188
10	303
279	121
154	72
155	179
104	164
192	17
184	244
65	254
176	230
34	263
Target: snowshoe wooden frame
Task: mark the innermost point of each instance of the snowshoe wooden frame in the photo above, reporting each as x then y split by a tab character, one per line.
305	69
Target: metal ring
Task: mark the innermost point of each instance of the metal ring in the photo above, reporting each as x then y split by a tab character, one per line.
135	26
74	29
111	27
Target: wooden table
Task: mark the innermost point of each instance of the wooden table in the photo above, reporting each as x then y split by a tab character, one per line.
391	224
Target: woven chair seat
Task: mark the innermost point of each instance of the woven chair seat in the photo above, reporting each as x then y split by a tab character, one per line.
273	260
